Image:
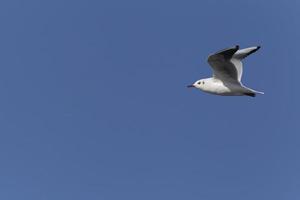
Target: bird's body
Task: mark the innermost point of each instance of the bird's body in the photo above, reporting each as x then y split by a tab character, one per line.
227	73
216	86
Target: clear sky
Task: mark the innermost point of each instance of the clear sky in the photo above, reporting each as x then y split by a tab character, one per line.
94	103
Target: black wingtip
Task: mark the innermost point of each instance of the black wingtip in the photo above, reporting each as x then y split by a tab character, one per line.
250	94
237	46
254	50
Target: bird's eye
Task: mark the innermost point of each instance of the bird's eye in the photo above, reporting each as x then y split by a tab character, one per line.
199	83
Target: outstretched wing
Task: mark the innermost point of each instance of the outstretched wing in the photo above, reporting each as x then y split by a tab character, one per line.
239	56
222	66
227	64
243	53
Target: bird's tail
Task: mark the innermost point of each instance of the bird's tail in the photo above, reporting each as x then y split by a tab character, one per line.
258	92
251	92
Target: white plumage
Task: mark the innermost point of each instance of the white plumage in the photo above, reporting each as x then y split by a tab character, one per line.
227	73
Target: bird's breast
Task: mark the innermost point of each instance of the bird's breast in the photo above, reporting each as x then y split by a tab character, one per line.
218	88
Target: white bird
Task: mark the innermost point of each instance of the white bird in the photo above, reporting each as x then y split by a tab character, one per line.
227	73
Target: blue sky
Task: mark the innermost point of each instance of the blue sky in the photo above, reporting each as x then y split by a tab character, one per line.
94	103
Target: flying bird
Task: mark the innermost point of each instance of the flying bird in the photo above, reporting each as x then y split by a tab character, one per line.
227	69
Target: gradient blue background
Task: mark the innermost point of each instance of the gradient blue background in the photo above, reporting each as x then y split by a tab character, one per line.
94	103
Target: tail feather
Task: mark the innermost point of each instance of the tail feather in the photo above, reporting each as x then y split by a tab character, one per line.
257	92
251	92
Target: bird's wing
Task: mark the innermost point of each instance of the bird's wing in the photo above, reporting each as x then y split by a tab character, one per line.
239	56
224	66
243	53
237	63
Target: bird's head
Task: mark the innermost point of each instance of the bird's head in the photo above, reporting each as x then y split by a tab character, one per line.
198	84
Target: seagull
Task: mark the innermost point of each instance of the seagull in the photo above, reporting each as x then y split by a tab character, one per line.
227	69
